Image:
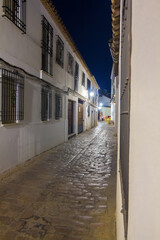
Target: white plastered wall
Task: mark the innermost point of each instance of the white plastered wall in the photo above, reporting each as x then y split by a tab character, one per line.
31	136
119	201
144	193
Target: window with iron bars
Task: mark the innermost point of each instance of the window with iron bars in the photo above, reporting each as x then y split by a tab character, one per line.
70	64
58	106
47	46
76	76
83	79
15	11
12	101
46	103
88	87
89	111
60	52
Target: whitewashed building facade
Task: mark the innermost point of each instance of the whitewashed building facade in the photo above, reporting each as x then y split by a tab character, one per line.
45	84
135	46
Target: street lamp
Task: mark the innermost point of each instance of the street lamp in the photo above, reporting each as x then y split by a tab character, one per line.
101	104
99	108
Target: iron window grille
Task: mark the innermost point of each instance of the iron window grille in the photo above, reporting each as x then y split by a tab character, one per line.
70	64
93	97
76	76
96	96
12	100
88	87
89	111
47	46
83	79
46	103
58	106
60	52
15	11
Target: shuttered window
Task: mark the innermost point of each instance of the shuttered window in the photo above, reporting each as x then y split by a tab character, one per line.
46	103
15	11
47	46
58	106
12	104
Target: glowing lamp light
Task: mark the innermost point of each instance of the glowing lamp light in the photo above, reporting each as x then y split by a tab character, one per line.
101	104
91	94
99	108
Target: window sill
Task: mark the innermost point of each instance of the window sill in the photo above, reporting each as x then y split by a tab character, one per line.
46	121
13	124
52	120
22	28
49	74
46	76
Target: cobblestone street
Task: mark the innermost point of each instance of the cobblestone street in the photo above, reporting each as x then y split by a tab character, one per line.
66	193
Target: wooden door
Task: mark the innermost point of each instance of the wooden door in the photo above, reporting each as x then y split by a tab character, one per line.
70	117
80	117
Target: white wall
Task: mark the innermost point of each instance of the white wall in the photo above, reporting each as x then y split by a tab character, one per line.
120	228
31	136
144	194
19	142
113	111
106	111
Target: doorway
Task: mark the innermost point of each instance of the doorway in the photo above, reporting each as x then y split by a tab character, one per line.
70	117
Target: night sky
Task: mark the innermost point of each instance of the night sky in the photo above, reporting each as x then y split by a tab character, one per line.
89	23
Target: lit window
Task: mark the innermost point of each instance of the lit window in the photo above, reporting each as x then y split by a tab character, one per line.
46	103
12	108
47	46
15	10
60	52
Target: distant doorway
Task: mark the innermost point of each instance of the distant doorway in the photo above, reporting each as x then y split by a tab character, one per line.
80	116
70	117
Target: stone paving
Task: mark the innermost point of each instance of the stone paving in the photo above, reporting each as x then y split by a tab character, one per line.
66	193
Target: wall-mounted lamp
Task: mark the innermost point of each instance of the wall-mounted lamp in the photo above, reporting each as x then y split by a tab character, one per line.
99	108
101	104
91	94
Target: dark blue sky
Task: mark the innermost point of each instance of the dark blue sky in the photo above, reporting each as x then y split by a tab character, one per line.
89	23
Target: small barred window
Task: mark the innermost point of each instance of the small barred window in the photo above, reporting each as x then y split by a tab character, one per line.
12	108
70	64
47	46
58	106
46	103
76	77
89	111
60	52
83	79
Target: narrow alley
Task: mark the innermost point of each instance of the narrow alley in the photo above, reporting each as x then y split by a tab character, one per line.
67	193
